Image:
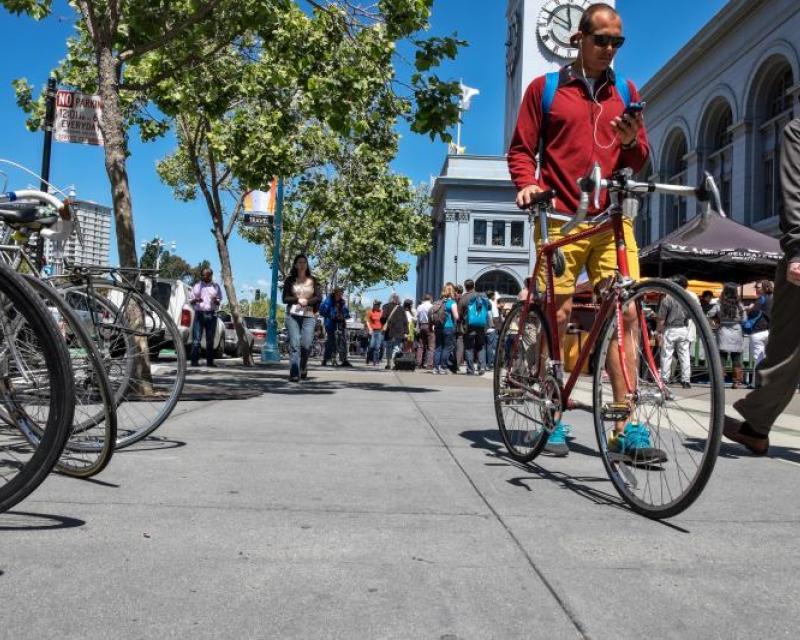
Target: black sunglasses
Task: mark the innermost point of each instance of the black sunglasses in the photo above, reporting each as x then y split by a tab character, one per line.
602	40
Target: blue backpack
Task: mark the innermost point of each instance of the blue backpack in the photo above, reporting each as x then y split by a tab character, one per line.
551	84
478	311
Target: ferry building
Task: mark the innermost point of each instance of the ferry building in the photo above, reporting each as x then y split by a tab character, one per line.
718	105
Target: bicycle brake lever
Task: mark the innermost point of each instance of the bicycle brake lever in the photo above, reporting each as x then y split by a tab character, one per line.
589	184
711	188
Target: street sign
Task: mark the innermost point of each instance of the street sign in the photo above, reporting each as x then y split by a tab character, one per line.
78	118
257	220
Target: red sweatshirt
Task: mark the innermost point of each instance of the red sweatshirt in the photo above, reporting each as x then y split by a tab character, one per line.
571	149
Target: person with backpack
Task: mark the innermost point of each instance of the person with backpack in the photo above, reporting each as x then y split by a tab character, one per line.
493	331
444	316
568	120
426	345
476	312
395	326
335	312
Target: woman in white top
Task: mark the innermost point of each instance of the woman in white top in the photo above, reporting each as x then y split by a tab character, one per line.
302	296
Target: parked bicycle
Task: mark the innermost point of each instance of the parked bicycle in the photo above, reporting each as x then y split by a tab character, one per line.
529	389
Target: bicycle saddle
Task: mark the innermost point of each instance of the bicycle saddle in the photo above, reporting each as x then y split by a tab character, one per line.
18	212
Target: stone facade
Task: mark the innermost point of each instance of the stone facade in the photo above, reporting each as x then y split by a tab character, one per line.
719	105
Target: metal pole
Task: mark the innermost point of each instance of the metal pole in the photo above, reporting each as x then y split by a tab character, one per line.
49	118
270	352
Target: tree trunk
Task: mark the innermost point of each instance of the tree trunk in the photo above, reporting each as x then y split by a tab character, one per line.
115	156
230	289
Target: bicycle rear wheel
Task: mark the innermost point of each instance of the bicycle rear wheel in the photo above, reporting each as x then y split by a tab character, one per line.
94	430
128	327
685	425
523	392
36	403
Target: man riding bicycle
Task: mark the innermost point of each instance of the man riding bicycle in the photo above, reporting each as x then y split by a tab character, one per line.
585	123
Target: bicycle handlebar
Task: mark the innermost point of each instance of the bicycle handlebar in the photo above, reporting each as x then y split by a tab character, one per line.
63	208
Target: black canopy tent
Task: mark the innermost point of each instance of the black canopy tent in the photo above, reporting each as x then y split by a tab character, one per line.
710	247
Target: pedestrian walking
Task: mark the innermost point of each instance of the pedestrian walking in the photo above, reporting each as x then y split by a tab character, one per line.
394	328
728	313
778	374
206	298
757	323
426	344
492	331
675	335
302	296
444	317
474	309
335	313
375	327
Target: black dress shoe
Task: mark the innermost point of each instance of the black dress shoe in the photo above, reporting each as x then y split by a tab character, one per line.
742	433
687	385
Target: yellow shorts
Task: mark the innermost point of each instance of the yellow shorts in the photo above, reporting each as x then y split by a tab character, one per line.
597	254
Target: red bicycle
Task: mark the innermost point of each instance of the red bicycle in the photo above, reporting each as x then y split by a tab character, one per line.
658	444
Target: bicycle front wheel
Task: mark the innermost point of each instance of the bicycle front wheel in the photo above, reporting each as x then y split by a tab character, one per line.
36	402
130	328
523	392
94	430
672	433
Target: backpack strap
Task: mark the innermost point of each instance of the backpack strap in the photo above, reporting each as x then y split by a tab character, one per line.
623	89
551	82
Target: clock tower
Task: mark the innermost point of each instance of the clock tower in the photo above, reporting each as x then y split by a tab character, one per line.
537	43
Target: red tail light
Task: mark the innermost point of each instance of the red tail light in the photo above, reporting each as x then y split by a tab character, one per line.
186	317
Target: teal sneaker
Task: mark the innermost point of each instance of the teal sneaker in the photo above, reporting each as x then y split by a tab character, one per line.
557	442
635	445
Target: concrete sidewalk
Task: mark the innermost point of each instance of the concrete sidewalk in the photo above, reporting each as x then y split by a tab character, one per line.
370	504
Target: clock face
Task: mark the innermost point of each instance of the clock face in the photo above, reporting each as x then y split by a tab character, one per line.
513	43
558	21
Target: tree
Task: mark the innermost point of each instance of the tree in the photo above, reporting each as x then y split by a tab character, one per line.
352	224
171	266
315	91
121	50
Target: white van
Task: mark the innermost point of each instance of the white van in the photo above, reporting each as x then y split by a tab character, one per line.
174	296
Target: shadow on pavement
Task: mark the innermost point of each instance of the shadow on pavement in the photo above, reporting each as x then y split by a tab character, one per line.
734	451
152	443
491	441
222	385
26	521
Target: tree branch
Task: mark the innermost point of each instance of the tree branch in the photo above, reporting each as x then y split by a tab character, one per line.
234	217
169	34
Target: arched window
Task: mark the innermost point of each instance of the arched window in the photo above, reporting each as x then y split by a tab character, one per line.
675	170
718	144
499	281
773	111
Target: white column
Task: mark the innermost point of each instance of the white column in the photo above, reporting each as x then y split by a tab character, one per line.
741	171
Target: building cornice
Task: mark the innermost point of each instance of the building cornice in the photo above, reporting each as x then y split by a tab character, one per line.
723	22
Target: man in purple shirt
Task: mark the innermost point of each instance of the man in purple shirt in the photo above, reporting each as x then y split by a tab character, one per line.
206	297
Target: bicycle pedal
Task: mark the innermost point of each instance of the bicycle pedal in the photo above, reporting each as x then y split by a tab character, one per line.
616	411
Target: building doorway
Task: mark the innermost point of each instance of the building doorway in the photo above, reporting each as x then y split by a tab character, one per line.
503	283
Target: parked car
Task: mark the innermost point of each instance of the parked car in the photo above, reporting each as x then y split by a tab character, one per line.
174	296
231	339
258	328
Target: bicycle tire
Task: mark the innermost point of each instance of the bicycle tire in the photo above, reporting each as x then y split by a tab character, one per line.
517	401
91	443
52	435
117	343
679	437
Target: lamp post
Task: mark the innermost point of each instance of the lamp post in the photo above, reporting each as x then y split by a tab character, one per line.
270	352
159	244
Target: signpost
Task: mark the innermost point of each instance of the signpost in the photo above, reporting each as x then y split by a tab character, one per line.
270	352
78	118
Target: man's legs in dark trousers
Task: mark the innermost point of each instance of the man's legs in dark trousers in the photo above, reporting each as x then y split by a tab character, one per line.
779	373
197	333
330	346
342	347
210	322
474	341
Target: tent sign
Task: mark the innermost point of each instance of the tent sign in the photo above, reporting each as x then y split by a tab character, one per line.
78	118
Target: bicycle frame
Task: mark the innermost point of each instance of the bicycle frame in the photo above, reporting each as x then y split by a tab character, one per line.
611	299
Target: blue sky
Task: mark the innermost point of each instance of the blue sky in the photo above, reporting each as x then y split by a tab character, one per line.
30	49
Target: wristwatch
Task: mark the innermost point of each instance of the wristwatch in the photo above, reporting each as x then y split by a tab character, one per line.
632	145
